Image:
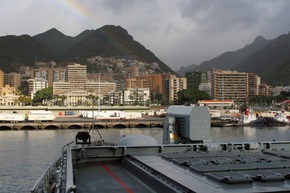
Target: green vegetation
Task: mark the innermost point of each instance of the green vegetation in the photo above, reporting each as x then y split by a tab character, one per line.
187	97
268	100
42	95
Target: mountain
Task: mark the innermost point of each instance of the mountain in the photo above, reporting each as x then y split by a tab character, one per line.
182	70
53	45
229	60
112	41
18	50
267	58
54	41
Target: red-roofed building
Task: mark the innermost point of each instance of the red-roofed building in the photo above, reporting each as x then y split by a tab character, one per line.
216	103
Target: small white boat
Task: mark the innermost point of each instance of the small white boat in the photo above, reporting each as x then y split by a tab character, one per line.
247	117
281	116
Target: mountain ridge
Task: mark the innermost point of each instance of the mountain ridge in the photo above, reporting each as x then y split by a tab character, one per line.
265	58
54	45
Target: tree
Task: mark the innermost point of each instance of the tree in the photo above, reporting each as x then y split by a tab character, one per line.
43	94
23	101
187	97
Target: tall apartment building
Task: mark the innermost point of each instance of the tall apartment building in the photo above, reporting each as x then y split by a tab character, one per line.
230	85
234	85
13	80
195	78
156	82
49	72
1	78
265	89
36	84
136	83
254	82
132	71
172	85
76	73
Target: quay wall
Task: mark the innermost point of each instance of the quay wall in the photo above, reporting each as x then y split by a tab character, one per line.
79	125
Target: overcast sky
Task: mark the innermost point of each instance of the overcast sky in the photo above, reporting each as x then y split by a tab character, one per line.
179	32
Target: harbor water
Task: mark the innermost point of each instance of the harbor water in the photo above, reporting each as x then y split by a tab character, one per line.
25	155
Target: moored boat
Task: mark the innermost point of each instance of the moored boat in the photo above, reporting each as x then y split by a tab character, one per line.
247	118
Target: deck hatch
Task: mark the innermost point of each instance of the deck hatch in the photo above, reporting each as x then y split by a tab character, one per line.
230	177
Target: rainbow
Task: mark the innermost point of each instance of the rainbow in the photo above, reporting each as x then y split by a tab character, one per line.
84	13
78	10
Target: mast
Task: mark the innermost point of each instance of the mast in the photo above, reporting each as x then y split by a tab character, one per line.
99	99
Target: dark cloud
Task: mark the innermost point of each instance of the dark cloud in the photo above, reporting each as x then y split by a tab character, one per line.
179	32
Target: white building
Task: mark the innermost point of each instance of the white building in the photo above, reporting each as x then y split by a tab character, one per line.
136	96
102	88
205	87
172	85
77	98
8	99
36	84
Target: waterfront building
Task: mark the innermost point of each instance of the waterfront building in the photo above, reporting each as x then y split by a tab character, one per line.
172	85
7	89
195	78
230	85
36	84
205	87
216	103
13	80
136	96
1	78
76	73
234	85
49	72
265	89
77	98
136	83
104	88
116	98
8	99
254	81
155	82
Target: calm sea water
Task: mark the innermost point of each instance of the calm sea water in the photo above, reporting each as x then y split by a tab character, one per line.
24	155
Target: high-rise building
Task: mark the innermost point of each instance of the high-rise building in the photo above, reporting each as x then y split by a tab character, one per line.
254	82
49	72
13	80
155	83
136	83
1	78
234	85
265	89
132	71
76	73
172	85
195	78
230	85
36	84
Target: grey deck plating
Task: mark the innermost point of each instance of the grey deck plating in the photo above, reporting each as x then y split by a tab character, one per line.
222	172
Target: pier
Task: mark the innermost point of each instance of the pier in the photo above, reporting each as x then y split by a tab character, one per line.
70	123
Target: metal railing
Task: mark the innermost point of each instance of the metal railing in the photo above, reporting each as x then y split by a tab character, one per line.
56	174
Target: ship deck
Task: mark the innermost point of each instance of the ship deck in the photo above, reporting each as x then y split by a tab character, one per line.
188	171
